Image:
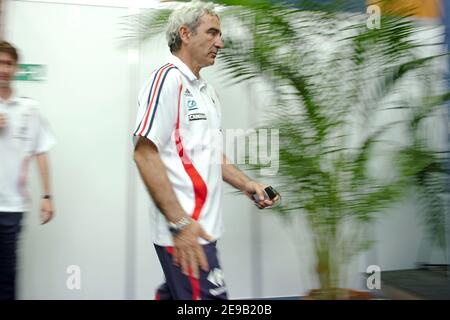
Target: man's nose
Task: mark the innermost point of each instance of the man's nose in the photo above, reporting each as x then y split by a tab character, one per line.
219	43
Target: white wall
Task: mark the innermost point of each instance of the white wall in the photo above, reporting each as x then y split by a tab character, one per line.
102	208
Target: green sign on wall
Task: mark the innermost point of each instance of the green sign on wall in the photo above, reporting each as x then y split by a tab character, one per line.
31	72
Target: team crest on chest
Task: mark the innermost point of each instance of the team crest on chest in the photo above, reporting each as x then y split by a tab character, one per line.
192	107
191	104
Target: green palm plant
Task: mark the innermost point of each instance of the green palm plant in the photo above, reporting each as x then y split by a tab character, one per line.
325	105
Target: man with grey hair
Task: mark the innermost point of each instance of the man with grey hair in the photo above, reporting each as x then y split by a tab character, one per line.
175	155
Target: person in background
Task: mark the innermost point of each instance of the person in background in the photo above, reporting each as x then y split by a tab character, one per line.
24	135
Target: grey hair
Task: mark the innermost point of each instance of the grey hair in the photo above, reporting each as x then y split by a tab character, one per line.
188	15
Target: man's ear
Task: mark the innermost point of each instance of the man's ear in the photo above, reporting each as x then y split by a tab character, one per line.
185	34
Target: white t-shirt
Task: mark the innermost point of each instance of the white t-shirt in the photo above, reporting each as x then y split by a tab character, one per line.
25	135
181	115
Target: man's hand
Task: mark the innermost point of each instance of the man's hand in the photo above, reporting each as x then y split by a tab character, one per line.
46	211
3	120
253	187
188	253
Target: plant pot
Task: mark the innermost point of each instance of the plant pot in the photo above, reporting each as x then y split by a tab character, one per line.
338	294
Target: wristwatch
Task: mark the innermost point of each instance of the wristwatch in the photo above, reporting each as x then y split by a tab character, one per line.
176	227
